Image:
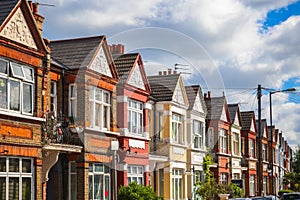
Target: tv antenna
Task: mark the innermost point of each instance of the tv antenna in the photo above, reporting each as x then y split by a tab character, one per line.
181	68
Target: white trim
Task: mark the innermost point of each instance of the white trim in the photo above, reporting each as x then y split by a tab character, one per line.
14	114
148	106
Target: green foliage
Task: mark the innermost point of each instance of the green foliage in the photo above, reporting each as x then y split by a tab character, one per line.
296	160
281	192
292	180
136	191
236	191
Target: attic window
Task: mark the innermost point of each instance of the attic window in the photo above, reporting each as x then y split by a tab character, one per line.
3	67
22	72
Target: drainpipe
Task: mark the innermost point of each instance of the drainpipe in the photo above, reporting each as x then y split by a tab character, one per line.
63	93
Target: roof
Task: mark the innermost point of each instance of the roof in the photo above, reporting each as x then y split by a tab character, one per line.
263	125
247	117
192	91
232	108
214	107
6	8
124	63
163	86
75	53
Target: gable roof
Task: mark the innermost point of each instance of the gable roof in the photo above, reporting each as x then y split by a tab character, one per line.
192	91
215	107
233	110
163	86
247	118
75	53
6	8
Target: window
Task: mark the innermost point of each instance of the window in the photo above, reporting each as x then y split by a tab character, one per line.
252	185
16	178
135	117
224	178
223	141
99	100
99	181
265	185
16	87
264	152
72	181
53	97
198	134
161	182
73	100
176	127
177	184
235	141
197	177
135	174
251	148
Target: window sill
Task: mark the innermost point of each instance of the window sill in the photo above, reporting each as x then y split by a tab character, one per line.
14	114
102	131
144	136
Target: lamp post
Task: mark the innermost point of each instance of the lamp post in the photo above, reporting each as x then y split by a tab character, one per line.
271	136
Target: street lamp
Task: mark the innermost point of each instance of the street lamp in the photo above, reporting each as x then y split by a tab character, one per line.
271	125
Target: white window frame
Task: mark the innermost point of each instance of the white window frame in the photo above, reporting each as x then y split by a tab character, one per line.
251	148
223	178
135	108
20	175
177	181
236	143
10	76
223	141
177	128
72	174
265	188
105	174
252	185
103	106
198	129
135	173
264	152
53	97
73	100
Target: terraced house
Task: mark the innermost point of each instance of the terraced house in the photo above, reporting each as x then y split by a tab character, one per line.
23	79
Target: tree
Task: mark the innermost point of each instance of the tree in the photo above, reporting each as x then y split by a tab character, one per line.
292	179
296	161
135	191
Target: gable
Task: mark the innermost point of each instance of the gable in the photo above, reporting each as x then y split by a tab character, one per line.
100	64
17	29
198	105
178	94
136	78
252	128
236	119
223	115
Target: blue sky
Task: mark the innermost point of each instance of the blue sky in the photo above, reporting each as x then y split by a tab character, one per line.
221	41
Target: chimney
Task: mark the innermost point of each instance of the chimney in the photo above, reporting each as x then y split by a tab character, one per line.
169	71
117	49
39	19
205	96
208	94
160	73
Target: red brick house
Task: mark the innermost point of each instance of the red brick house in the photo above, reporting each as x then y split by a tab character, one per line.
90	107
133	122
249	160
23	78
218	125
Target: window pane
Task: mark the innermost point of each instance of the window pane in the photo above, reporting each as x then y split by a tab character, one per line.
17	70
53	88
90	186
3	66
2	164
13	189
27	98
72	91
73	167
2	187
3	93
28	73
106	97
97	115
90	167
73	187
106	190
105	117
98	167
98	95
14	165
26	188
106	169
26	166
15	95
98	183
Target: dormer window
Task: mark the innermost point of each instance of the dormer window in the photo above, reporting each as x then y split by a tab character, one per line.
16	87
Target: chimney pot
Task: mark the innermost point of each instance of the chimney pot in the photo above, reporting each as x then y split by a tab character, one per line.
35	8
117	48
174	72
30	5
165	72
208	94
205	95
169	71
160	73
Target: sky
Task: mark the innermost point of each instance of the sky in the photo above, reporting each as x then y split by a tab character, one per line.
226	46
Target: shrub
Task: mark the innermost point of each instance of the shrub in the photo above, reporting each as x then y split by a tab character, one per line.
136	191
281	192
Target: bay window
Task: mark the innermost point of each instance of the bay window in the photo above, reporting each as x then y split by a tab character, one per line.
236	143
99	100
252	148
264	152
16	178
99	181
53	97
224	178
177	185
198	134
73	100
72	181
135	117
16	87
252	185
